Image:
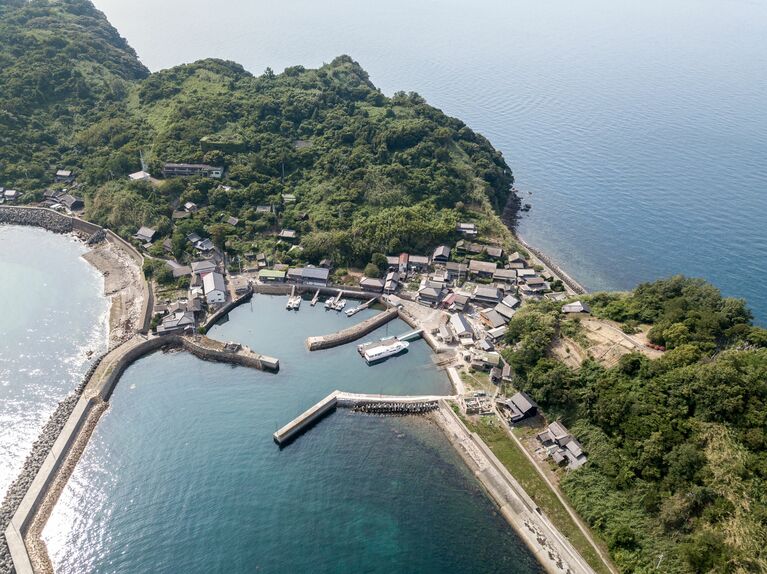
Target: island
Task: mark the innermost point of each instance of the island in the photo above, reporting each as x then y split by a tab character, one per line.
617	432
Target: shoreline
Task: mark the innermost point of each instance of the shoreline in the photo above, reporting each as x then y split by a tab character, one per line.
77	417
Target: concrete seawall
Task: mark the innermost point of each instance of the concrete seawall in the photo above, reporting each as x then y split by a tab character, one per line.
221	313
351	333
306	420
552	550
97	391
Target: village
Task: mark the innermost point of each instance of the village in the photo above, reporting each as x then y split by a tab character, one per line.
462	296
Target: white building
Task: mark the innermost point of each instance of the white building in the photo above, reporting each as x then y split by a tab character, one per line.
214	287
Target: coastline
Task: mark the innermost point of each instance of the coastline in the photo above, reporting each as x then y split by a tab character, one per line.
78	415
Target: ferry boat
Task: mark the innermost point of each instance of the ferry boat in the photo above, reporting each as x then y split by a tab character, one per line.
385	348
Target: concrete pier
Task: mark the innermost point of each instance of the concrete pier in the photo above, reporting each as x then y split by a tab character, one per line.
306	419
351	333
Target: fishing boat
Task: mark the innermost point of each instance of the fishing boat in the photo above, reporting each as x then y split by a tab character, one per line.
383	349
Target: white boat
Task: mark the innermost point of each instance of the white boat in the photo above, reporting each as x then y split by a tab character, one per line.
329	303
382	350
340	305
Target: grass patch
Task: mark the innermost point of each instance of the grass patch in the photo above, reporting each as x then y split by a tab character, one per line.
517	463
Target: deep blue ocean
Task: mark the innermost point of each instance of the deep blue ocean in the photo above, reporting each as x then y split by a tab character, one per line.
182	474
639	127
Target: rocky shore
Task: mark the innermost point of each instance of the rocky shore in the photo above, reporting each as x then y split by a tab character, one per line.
45	218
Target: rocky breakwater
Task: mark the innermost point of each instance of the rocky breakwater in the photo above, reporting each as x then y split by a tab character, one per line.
40	450
36	217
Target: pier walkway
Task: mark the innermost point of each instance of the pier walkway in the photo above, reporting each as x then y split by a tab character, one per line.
338	399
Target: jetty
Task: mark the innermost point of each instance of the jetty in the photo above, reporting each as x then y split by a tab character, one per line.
354	310
412	335
373	404
351	333
315	298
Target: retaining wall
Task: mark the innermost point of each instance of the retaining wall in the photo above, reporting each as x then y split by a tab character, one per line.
218	315
352	333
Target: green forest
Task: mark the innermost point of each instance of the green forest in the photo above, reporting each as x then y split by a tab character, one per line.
677	468
369	173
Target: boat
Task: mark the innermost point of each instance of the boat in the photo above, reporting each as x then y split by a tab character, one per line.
340	305
329	303
385	348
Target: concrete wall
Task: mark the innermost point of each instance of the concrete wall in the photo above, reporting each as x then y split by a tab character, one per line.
330	290
352	333
218	315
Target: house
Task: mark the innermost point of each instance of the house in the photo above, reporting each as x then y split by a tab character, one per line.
145	234
445	334
562	446
487	295
460	301
402	263
393	262
525	272
64	176
431	292
190	207
315	276
456	271
326	263
205	245
467	228
139	176
288	198
460	326
441	254
508	276
495	375
167	245
510	301
418	262
391	283
72	203
504	311
484	361
482	268
468	247
288	234
176	322
271	276
178	214
516	259
492	319
233	221
193	238
520	406
11	195
372	284
261	261
506	374
494	251
497	333
177	269
201	267
263	209
190	169
576	307
534	285
214	288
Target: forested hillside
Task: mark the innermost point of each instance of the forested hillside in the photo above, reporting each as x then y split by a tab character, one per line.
369	173
677	467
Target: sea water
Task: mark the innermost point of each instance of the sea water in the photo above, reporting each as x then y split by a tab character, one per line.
52	312
639	127
182	474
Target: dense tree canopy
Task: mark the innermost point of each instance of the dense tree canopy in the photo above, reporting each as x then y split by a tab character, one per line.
371	172
676	445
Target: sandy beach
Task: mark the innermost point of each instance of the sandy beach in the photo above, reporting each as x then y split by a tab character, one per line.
123	284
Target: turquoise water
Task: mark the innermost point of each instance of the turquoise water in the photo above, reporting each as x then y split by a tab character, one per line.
639	127
182	475
51	312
